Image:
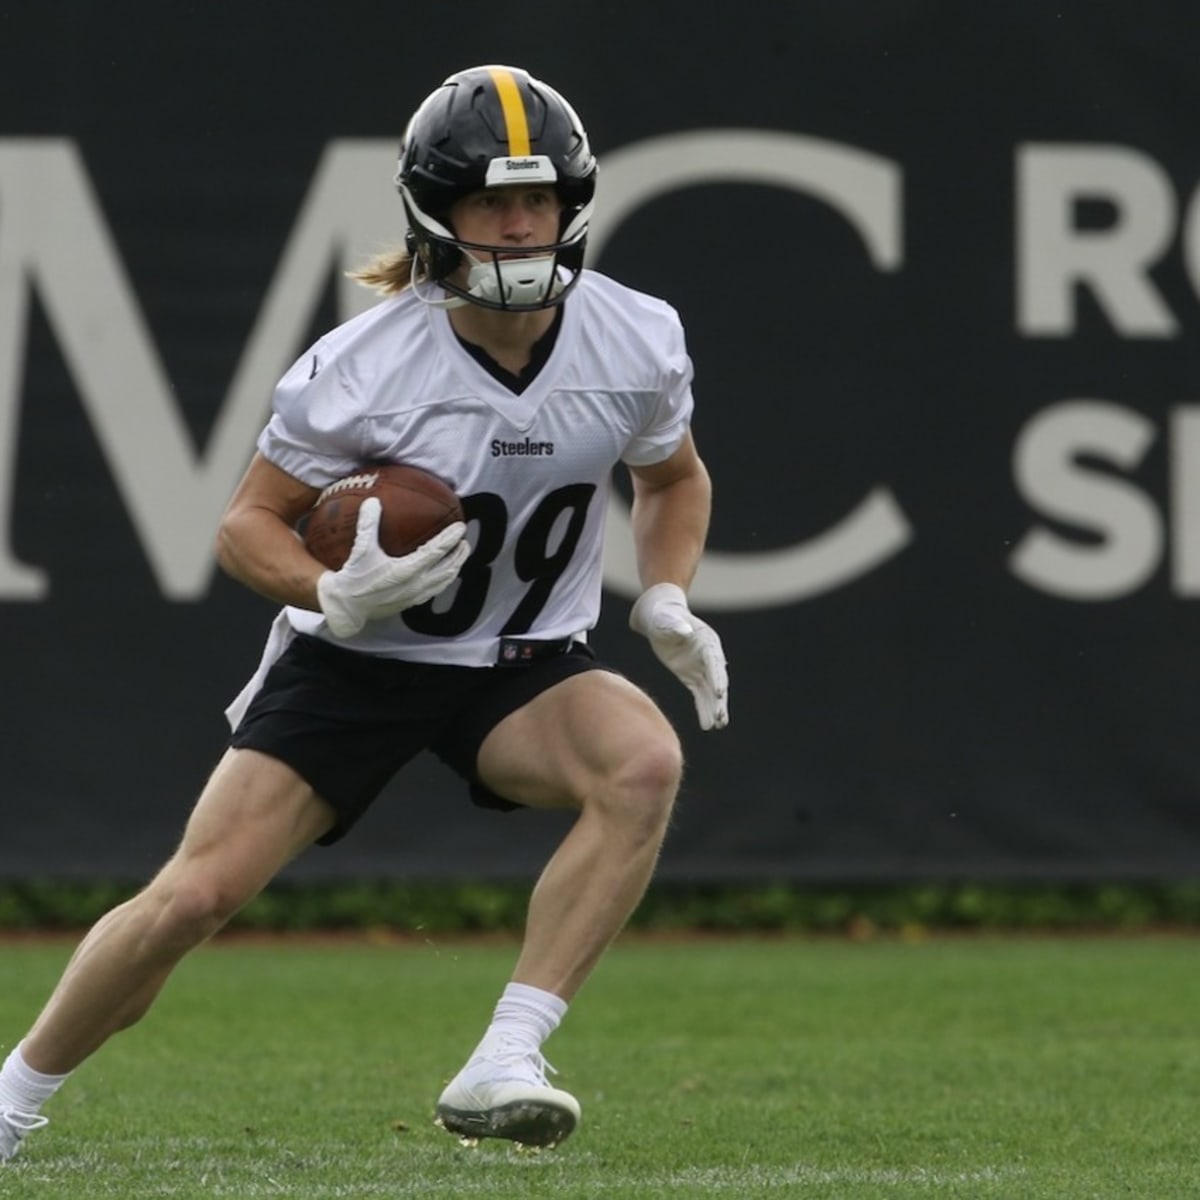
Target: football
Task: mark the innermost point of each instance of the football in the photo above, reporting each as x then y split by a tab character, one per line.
415	505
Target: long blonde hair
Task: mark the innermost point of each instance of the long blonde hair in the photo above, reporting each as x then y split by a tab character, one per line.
387	273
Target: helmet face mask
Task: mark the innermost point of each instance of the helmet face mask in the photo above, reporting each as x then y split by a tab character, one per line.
490	127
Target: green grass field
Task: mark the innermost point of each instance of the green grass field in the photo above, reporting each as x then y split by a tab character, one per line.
1022	1069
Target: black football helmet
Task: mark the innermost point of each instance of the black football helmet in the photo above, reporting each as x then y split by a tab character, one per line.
495	126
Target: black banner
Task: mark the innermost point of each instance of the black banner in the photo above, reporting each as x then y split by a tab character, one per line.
939	266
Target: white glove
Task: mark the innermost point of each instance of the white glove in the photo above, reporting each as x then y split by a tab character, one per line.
689	647
372	584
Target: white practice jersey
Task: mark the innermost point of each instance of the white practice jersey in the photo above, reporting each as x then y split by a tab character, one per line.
533	470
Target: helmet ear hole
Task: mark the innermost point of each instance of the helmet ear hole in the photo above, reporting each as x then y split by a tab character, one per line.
438	258
434	247
443	259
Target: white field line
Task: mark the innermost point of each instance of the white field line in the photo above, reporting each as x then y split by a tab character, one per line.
400	1179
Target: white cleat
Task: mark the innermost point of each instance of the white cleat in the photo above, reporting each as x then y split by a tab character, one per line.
13	1127
504	1094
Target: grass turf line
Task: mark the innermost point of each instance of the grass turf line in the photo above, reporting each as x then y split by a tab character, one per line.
1016	1069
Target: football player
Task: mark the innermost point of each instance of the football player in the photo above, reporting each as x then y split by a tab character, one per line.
497	362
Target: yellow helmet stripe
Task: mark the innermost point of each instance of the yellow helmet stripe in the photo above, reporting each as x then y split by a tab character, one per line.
514	112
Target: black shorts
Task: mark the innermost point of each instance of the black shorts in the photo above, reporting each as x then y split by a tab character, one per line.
347	722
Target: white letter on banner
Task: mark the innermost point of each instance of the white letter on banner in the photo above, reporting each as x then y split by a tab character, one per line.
1051	477
1185	499
53	237
863	188
1054	256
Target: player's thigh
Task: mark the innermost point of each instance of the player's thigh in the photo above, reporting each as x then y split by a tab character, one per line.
254	816
577	738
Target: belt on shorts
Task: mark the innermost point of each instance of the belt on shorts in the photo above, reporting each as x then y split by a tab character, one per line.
520	652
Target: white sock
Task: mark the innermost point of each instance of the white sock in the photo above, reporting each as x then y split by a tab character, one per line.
526	1015
24	1089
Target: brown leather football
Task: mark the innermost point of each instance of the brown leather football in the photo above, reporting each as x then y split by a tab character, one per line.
416	505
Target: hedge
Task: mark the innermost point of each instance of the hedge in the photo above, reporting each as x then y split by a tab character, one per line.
859	911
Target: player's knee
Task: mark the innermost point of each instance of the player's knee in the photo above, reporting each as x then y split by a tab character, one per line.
660	766
191	910
647	781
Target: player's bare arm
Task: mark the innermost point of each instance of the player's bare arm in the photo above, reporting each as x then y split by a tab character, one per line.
671	506
672	501
257	543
